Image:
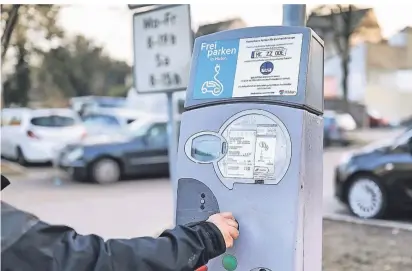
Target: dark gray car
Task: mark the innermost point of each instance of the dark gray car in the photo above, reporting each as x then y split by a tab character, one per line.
108	158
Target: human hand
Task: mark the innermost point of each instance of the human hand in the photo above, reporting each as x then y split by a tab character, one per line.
227	225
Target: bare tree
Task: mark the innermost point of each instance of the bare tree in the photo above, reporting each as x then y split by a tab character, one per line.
339	22
10	23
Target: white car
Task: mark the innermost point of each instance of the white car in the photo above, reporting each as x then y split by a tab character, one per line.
37	135
346	122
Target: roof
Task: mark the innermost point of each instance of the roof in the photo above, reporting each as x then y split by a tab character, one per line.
53	111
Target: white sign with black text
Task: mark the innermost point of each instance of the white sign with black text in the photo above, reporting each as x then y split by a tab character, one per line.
162	49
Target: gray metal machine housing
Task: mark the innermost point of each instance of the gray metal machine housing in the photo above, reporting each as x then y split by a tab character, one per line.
281	218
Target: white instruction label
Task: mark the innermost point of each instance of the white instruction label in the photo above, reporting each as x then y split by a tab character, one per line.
268	66
240	155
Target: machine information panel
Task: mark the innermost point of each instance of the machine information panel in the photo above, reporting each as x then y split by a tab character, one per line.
262	66
252	146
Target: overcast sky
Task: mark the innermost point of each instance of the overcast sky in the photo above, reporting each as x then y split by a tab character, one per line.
111	26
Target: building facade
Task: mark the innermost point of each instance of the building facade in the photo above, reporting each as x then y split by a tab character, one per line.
380	70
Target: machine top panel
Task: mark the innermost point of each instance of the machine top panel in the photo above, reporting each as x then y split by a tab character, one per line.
258	64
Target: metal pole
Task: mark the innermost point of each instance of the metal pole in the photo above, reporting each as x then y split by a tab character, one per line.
294	15
172	146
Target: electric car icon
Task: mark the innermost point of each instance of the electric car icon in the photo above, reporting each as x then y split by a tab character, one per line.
214	86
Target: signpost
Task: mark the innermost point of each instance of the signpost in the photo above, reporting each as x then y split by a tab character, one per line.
162	49
294	15
162	56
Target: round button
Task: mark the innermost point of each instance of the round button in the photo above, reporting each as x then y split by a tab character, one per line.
229	262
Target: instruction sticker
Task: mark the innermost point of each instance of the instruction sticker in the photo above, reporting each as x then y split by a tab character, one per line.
240	155
265	154
268	66
261	66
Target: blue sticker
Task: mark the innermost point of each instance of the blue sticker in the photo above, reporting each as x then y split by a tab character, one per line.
216	68
266	68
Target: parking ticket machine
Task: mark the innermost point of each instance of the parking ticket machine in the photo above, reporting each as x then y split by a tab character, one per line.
251	142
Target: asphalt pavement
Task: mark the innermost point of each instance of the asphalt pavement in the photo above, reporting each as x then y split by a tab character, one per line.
125	209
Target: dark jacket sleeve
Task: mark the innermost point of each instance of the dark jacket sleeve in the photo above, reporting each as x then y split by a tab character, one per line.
34	245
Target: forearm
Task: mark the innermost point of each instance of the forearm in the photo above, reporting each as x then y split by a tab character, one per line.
183	248
48	248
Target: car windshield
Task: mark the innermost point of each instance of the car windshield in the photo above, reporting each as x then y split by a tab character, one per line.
53	121
100	120
403	138
139	128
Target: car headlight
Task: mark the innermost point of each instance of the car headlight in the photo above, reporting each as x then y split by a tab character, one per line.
75	154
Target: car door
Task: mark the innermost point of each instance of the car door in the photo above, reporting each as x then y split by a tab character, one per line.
152	156
156	145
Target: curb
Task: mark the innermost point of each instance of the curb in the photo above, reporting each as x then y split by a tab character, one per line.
369	222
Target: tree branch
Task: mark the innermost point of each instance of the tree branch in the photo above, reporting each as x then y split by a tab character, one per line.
336	27
8	30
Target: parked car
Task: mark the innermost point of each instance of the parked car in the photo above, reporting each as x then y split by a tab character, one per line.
36	135
406	122
376	120
346	121
377	179
90	104
105	159
111	121
332	133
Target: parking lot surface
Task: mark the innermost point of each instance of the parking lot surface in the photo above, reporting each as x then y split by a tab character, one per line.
128	208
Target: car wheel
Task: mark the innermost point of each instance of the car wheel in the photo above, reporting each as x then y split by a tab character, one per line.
20	157
106	171
366	198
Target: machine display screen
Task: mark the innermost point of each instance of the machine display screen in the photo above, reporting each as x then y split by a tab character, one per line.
206	148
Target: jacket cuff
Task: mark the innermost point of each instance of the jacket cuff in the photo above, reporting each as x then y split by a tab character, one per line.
214	240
